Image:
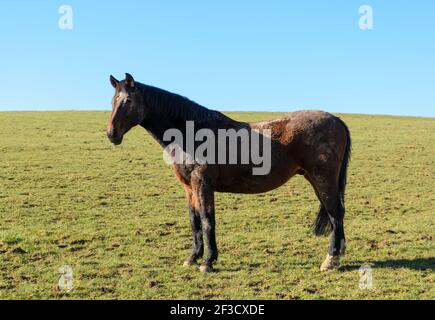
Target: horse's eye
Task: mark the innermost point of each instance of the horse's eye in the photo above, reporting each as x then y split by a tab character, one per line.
127	104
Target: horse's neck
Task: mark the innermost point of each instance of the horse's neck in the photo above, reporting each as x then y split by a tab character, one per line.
157	125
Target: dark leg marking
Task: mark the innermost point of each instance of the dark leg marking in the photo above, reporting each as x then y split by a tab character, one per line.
198	243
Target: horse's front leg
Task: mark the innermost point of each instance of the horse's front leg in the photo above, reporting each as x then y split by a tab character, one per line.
198	244
205	196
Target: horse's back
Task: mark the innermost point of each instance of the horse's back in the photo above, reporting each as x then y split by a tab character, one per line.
302	128
297	120
299	141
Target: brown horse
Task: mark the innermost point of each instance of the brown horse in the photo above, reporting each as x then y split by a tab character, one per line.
314	144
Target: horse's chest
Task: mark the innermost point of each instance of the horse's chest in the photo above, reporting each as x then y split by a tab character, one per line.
183	173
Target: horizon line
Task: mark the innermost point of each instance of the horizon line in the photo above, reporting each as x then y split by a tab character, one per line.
105	109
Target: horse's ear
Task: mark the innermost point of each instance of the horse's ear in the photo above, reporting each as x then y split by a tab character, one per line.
113	81
129	81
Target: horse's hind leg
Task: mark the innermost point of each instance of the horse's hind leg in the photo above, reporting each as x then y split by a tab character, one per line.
331	212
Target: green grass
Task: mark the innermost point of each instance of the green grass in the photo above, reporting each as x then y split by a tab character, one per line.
119	217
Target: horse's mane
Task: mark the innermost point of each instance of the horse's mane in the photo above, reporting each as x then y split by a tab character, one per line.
176	106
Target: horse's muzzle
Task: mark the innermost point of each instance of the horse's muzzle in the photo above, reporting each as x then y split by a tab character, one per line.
114	136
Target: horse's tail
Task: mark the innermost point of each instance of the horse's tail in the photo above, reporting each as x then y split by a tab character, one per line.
342	178
322	225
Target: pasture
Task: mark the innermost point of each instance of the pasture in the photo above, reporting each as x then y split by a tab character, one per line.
119	218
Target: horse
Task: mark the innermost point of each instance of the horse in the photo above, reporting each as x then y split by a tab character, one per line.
314	144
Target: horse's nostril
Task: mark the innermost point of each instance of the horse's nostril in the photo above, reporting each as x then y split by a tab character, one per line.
111	133
114	136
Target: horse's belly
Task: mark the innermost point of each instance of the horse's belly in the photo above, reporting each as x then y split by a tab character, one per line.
249	183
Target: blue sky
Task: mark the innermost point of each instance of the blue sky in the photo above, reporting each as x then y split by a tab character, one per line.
227	55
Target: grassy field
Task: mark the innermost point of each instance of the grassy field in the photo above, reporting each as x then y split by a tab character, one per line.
118	217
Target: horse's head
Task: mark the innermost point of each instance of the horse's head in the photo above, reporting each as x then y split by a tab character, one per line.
127	108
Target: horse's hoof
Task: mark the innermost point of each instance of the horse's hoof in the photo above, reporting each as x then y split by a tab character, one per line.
187	263
331	262
205	268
